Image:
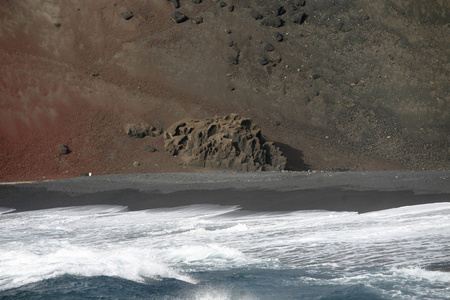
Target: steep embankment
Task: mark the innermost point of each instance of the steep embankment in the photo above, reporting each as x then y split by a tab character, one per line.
350	85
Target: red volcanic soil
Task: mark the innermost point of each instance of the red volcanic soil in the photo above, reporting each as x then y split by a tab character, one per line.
356	86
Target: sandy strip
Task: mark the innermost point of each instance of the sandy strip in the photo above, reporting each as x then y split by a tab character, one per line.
268	191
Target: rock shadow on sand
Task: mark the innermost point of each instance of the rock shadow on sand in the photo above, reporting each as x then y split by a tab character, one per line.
294	158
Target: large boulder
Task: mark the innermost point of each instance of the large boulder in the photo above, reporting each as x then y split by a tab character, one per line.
229	142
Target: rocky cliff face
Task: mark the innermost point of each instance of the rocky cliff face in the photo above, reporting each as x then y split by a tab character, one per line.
230	142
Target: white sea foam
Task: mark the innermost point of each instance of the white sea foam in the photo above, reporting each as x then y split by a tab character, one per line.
420	273
206	256
23	267
5	210
88	210
170	243
218	294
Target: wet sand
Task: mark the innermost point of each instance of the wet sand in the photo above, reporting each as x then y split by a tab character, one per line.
268	191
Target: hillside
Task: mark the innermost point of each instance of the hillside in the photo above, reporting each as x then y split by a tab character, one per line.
336	84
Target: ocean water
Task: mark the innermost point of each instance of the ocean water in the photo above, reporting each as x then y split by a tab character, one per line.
216	252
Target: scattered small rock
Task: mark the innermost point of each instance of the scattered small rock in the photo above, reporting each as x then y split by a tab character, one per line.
340	170
298	17
261	60
95	74
268	47
231	8
222	3
196	1
233	60
198	20
276	9
150	148
272	21
142	130
178	17
63	149
127	15
277	36
306	99
256	15
136	163
338	25
315	76
290	8
299	2
57	25
175	3
274	56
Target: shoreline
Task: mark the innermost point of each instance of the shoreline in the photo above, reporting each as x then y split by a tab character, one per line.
263	191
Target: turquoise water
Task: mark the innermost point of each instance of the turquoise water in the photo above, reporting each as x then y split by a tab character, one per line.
216	252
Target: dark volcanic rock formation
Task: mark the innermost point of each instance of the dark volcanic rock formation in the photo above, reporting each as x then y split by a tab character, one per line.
231	142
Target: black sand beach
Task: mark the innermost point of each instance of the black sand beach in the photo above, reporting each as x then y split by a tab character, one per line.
269	191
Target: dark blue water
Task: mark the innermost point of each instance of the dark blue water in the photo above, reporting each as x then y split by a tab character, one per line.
234	284
213	252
